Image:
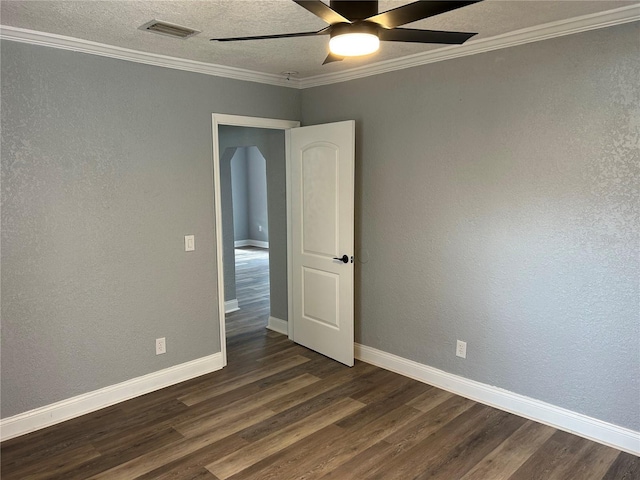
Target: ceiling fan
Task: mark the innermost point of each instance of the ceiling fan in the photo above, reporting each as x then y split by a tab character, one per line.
356	28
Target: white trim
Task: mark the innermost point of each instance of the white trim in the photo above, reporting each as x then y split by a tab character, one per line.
254	122
90	402
231	306
560	418
278	325
33	37
618	16
217	221
287	156
240	121
609	18
251	243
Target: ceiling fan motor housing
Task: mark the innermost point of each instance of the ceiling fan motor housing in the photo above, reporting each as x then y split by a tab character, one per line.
356	27
355	10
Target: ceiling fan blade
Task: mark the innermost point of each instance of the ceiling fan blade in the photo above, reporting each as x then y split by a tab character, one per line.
322	10
332	58
424	36
324	31
415	11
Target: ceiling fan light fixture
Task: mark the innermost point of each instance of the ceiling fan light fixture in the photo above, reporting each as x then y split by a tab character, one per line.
353	40
354	44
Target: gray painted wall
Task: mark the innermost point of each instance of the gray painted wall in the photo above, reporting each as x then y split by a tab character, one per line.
106	165
498	203
228	233
249	194
257	190
271	146
239	194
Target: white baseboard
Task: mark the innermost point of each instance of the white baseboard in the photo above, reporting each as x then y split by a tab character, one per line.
251	243
278	325
89	402
231	306
560	418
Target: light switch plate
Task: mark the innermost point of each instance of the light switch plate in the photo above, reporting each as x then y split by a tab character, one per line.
189	243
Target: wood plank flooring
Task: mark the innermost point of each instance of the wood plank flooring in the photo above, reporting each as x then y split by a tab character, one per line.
280	411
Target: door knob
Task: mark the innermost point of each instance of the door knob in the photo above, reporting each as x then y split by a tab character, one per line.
343	259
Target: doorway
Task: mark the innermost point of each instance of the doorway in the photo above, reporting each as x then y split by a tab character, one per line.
247	291
316	194
268	136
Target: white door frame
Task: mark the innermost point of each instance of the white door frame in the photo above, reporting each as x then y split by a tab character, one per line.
252	122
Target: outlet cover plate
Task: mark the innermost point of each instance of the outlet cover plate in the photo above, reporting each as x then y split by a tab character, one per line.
161	346
461	349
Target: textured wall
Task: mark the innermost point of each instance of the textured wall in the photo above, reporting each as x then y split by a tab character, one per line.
257	190
228	232
270	143
106	165
249	194
239	194
498	203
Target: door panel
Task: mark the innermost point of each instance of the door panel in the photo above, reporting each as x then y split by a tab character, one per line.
319	199
320	291
322	189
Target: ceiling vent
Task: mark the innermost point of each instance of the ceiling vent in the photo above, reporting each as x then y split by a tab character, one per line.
168	29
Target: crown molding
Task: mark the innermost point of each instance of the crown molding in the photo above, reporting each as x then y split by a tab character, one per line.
618	16
609	18
94	48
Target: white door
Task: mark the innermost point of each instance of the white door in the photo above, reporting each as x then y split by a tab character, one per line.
322	183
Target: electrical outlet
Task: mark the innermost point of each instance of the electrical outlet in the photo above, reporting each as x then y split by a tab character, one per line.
461	349
161	346
259	228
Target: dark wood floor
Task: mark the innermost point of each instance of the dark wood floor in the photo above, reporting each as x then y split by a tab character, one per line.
280	411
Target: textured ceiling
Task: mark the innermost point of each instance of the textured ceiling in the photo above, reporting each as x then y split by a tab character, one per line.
116	23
